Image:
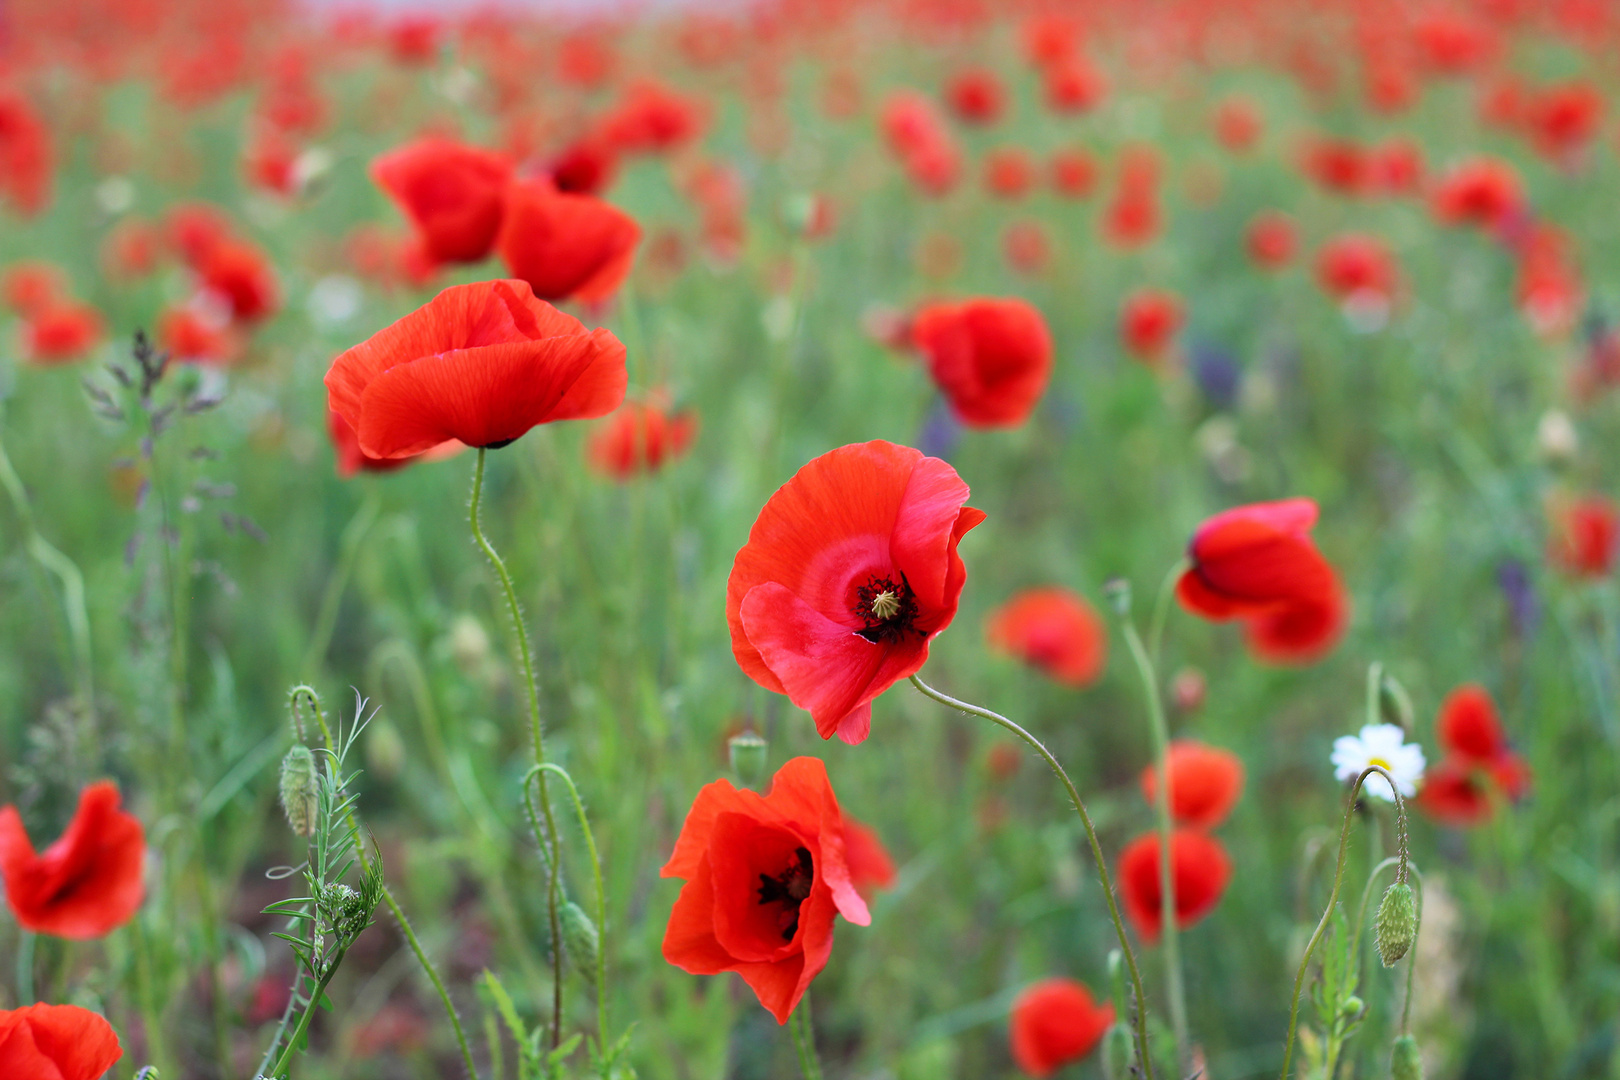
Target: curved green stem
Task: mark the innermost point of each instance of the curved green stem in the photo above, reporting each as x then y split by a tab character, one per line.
348	551
548	842
1161	606
804	1039
1096	851
1333	898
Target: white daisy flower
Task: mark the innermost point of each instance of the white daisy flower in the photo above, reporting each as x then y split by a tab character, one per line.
1383	745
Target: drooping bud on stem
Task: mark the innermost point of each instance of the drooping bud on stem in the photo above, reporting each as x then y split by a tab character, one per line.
580	940
1396	927
1118	591
749	757
1394	704
1405	1062
299	786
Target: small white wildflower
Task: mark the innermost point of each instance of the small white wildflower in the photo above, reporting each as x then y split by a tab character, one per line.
1383	745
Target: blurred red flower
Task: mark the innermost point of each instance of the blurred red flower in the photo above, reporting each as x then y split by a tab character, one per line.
243	276
1396	166
1074	86
991	357
1053	629
1481	191
1205	783
25	155
1074	173
1258	563
765	878
62	331
195	229
1452	42
976	96
651	118
31	286
1050	39
414	39
1055	1022
917	135
130	249
451	193
1457	791
1353	263
1563	119
1237	123
1009	172
1272	239
1338	165
190	336
1026	247
1199	868
586	166
1148	321
56	1042
566	246
88	883
641	437
849	572
481	364
1582	535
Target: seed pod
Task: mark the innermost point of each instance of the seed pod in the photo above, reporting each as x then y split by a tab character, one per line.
1119	1053
1397	923
299	785
581	941
1352	1007
1405	1063
749	757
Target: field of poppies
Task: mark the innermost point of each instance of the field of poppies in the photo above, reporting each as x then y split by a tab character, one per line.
872	539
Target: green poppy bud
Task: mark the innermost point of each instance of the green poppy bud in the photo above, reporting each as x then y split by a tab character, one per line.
1405	1063
1119	1053
581	940
299	786
749	758
1352	1007
1397	923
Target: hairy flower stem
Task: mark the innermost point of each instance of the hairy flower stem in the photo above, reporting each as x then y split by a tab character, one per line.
388	894
1174	983
548	842
1096	851
804	1039
279	1069
1333	897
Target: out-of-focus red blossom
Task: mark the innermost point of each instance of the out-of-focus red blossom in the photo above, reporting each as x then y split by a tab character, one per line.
242	275
351	459
1074	173
566	246
1452	43
976	96
62	331
130	249
194	230
88	883
586	166
1582	535
1205	783
1480	191
1390	86
1055	1022
1009	172
1352	263
452	193
32	286
394	1028
918	137
1148	322
1272	239
848	573
1074	86
1003	761
269	162
1052	629
1338	165
1457	791
641	437
1026	247
586	59
1199	870
1550	287
1563	119
653	119
777	935
1258	563
841	94
1051	39
870	866
25	155
1397	166
414	39
192	336
1237	123
991	357
481	364
56	1042
1132	219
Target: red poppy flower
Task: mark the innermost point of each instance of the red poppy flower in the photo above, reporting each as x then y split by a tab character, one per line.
1562	119
587	167
1396	167
195	230
85	885
481	364
192	336
1452	42
63	331
1355	263
1148	321
1482	191
1074	174
1074	86
351	459
765	877
870	867
1050	39
1009	172
1199	867
56	1042
566	246
849	572
1469	726
1258	563
243	276
976	96
414	39
1272	239
1338	165
130	250
31	287
1583	536
1026	247
1458	791
640	437
1205	783
918	137
451	192
991	357
653	119
1237	123
1132	218
25	155
1052	629
1056	1022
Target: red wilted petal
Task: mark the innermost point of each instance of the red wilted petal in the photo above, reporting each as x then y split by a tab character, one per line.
88	883
566	246
1469	726
991	357
56	1042
1199	867
1054	630
1056	1022
451	192
1205	783
481	364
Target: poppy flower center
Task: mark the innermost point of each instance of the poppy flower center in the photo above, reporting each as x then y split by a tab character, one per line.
789	888
886	609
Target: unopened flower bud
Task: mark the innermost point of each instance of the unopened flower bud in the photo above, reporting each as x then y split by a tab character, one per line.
580	940
749	753
299	786
385	750
1394	705
1397	923
1352	1007
1405	1063
1118	591
1119	1053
